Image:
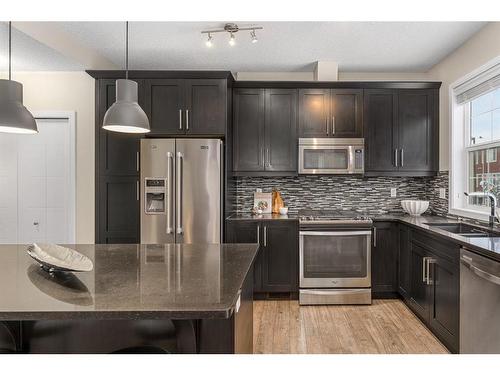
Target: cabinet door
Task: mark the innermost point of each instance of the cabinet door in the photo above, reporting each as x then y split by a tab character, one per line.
240	231
118	214
281	130
445	298
314	113
280	270
384	259
117	152
380	130
248	130
164	105
346	113
419	291
417	130
404	261
206	106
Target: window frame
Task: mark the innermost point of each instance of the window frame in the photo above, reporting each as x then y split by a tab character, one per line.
460	147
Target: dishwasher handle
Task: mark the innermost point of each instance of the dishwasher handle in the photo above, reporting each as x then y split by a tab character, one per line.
467	261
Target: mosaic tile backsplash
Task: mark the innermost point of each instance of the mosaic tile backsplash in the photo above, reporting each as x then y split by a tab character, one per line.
358	193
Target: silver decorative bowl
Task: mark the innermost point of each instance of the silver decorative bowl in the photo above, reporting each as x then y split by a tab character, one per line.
55	258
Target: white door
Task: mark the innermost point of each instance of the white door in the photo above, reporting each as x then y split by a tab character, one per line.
44	198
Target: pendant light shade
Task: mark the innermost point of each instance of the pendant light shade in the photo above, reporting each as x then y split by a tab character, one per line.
14	117
126	115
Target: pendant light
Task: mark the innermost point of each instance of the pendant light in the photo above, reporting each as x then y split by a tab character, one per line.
14	117
125	115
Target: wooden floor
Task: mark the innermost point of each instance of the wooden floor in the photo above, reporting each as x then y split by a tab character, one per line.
387	326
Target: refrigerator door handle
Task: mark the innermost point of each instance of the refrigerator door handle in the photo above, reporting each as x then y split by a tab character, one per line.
170	183
178	203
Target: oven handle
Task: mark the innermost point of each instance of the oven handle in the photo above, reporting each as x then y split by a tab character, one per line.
335	233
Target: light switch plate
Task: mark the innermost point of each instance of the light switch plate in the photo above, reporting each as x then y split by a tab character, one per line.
442	193
393	192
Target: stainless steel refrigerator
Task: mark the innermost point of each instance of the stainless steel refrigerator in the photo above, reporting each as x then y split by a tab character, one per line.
181	190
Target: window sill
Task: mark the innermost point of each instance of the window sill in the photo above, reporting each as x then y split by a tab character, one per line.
471	214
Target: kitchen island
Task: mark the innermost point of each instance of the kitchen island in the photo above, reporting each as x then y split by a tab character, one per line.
170	297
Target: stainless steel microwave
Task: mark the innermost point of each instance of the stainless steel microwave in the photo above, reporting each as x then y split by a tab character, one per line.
331	155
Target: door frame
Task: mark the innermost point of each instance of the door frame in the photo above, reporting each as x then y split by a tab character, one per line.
71	117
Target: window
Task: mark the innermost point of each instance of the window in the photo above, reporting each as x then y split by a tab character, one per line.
483	121
475	141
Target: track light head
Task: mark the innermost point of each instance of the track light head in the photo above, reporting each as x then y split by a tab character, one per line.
232	40
209	43
254	37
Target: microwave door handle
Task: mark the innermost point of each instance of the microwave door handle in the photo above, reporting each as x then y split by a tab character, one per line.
170	183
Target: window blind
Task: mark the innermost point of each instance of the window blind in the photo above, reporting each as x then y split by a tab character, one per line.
481	84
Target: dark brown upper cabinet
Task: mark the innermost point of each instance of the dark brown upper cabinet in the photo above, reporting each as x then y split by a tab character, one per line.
186	106
265	131
330	113
401	132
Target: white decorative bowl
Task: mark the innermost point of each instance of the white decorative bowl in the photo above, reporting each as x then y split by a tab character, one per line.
414	208
57	258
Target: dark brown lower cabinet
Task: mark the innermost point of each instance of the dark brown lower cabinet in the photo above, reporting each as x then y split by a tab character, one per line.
118	209
385	260
276	266
403	260
435	286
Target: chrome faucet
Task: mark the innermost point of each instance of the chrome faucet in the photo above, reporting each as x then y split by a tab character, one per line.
493	203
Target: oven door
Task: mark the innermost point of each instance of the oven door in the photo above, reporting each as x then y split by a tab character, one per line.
335	259
323	159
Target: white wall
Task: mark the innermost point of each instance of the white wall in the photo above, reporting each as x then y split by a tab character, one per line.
70	91
482	47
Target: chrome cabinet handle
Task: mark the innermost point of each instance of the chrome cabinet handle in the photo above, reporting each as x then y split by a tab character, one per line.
187	119
465	260
179	192
424	269
180	119
137	195
137	161
333	125
170	167
402	158
268	159
265	235
395	157
374	236
258	234
326	124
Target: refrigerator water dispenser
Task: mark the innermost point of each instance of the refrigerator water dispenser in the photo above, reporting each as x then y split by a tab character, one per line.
156	194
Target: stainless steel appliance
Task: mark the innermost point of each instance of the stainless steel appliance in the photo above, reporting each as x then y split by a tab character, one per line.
331	155
181	190
479	304
334	258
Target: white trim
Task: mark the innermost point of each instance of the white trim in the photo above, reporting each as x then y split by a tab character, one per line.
458	146
71	117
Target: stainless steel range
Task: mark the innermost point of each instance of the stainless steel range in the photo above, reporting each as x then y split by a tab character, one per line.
335	257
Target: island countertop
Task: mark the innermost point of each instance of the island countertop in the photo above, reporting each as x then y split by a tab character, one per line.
129	281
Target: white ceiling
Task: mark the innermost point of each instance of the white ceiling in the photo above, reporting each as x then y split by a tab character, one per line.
282	46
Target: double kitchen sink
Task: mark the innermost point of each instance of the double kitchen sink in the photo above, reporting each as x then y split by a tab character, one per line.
464	230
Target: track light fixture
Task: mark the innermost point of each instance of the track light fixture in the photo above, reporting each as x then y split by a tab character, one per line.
232	29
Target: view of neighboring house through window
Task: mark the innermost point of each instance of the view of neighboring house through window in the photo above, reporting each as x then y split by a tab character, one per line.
483	120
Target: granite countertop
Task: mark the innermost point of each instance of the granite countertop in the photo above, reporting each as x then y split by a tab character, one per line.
487	246
170	281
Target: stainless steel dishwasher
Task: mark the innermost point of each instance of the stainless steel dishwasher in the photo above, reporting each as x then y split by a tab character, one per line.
479	303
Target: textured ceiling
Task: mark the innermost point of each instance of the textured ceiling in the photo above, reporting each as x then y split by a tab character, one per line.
282	46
